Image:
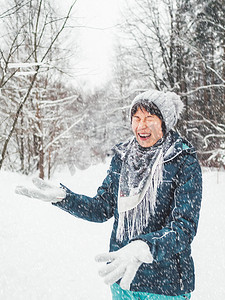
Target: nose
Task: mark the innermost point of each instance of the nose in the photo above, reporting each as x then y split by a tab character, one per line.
142	124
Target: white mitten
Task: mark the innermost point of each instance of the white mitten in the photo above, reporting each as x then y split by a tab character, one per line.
46	191
124	263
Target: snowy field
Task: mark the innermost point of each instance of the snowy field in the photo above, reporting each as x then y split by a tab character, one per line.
46	253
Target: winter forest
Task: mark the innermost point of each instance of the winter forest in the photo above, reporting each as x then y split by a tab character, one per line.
47	121
56	125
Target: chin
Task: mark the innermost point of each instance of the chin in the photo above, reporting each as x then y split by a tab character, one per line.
145	144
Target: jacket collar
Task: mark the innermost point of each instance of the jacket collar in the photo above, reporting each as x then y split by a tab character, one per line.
178	146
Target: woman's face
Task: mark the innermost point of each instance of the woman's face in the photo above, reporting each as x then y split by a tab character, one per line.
147	128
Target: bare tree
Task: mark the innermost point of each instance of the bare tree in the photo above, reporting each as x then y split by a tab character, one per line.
30	44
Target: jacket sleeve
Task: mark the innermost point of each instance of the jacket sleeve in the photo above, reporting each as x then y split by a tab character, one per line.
97	209
181	224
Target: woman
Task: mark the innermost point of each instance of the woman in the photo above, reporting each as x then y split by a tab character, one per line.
153	191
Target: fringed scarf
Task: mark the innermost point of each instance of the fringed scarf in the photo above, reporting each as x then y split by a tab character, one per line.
141	175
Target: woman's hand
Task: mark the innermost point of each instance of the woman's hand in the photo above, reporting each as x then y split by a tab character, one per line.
124	263
43	191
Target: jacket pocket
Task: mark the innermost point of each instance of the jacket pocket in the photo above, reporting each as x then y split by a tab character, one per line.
164	271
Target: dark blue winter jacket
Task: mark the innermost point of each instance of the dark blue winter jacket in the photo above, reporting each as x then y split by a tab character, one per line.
172	228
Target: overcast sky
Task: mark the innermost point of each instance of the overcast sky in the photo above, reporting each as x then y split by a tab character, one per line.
96	39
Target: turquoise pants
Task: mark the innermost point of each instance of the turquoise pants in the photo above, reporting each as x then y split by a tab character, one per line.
120	294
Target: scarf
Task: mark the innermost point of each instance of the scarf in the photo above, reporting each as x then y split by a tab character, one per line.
141	175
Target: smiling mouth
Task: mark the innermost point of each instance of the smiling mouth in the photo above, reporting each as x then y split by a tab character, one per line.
144	136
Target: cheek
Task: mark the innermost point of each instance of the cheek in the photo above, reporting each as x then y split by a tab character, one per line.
155	127
134	127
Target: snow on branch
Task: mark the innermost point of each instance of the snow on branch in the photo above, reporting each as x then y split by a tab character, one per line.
24	65
18	74
63	133
203	88
217	152
216	127
49	103
217	74
212	135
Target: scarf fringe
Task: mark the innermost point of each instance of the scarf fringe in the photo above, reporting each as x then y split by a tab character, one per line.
132	222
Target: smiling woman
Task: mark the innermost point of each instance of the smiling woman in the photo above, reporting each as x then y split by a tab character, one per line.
153	195
146	125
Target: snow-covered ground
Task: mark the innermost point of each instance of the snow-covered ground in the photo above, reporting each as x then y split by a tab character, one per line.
45	253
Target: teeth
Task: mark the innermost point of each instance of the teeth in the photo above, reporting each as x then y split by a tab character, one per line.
144	135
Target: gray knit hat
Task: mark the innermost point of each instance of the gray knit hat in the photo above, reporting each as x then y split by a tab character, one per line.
169	104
